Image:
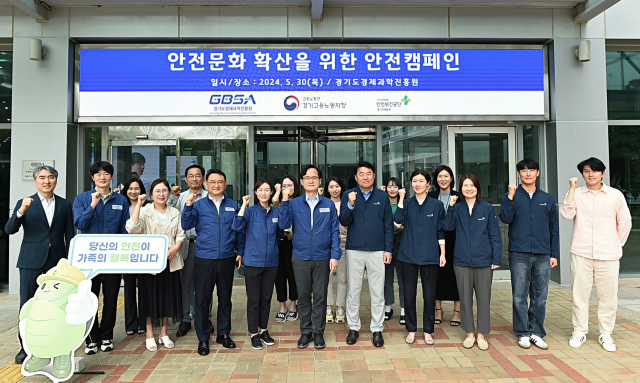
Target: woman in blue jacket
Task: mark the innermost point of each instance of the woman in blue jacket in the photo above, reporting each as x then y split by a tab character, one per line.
477	253
260	223
421	251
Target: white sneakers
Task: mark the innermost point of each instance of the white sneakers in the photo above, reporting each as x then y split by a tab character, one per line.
329	314
339	315
524	342
607	343
577	339
539	342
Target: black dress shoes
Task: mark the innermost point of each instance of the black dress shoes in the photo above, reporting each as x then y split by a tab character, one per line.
388	315
304	341
226	341
318	341
352	338
183	329
21	356
203	348
378	340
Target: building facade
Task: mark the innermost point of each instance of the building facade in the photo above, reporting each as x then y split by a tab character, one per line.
253	90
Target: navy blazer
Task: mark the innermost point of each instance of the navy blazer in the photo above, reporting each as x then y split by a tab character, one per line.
422	230
38	234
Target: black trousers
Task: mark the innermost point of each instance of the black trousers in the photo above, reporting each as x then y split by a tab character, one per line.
131	320
259	284
313	281
429	277
207	275
286	274
28	284
110	284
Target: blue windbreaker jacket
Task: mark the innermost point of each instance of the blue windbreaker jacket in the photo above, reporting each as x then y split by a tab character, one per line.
262	233
370	223
109	218
423	227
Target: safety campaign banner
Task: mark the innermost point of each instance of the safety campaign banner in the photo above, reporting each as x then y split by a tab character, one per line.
311	82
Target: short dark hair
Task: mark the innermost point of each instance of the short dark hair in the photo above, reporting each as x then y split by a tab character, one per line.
259	183
101	165
137	158
158	182
295	185
365	164
395	182
527	163
440	169
594	163
186	171
421	172
336	180
215	171
127	185
476	183
305	169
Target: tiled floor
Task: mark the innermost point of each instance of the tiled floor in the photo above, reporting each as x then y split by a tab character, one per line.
396	361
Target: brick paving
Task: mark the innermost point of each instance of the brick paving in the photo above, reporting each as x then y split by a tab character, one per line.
447	360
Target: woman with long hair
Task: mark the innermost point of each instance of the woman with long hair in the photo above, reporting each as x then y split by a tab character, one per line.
446	287
285	279
333	189
132	323
260	224
478	252
393	186
160	296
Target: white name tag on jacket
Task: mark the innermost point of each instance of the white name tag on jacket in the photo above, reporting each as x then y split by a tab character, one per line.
543	204
430	215
481	219
324	210
116	207
229	209
274	220
376	203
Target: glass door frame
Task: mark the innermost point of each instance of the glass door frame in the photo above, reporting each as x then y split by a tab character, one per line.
499	274
145	142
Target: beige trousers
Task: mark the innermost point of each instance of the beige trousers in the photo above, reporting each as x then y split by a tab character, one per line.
341	294
584	271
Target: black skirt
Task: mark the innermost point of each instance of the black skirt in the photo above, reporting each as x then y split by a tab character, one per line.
159	296
447	286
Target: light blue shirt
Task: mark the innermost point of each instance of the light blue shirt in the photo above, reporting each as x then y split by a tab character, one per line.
312	203
365	195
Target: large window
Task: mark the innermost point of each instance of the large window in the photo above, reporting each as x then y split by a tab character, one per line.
623	85
6	73
407	148
92	154
624	168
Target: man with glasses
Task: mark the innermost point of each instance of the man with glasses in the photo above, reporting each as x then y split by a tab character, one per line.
316	251
194	174
215	257
48	229
366	212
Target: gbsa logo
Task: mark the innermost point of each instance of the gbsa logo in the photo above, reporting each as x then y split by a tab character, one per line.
231	99
291	103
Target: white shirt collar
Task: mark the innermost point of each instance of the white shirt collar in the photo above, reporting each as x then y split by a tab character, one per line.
44	199
214	200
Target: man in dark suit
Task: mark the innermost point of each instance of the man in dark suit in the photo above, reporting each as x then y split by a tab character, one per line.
47	221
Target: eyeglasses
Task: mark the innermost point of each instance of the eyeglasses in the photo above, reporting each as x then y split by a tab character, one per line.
218	183
191	176
310	178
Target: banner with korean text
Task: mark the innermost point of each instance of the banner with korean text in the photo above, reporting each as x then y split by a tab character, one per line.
311	82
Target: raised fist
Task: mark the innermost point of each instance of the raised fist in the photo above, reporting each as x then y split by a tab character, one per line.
26	202
176	190
245	200
402	192
352	198
116	190
321	191
191	199
452	200
95	198
512	191
286	193
573	182
278	187
383	188
141	199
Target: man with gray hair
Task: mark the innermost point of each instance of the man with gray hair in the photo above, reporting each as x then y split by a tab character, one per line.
47	222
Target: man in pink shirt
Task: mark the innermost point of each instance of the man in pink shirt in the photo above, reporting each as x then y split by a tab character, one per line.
601	225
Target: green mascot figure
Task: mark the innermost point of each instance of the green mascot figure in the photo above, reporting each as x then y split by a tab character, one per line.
55	322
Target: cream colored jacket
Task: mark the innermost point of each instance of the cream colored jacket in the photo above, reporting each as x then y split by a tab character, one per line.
149	223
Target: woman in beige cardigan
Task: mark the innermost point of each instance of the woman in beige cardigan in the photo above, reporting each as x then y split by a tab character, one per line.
159	295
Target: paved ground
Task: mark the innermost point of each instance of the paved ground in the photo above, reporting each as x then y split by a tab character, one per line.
447	360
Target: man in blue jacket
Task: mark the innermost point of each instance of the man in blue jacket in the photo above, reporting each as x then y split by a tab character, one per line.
101	211
216	258
366	212
316	252
533	250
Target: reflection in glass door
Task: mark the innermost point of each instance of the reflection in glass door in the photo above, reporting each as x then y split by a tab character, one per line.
490	154
148	160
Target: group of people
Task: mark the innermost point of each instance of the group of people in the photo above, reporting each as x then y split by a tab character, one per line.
296	238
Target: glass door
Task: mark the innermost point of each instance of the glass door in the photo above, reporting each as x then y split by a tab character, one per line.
490	154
